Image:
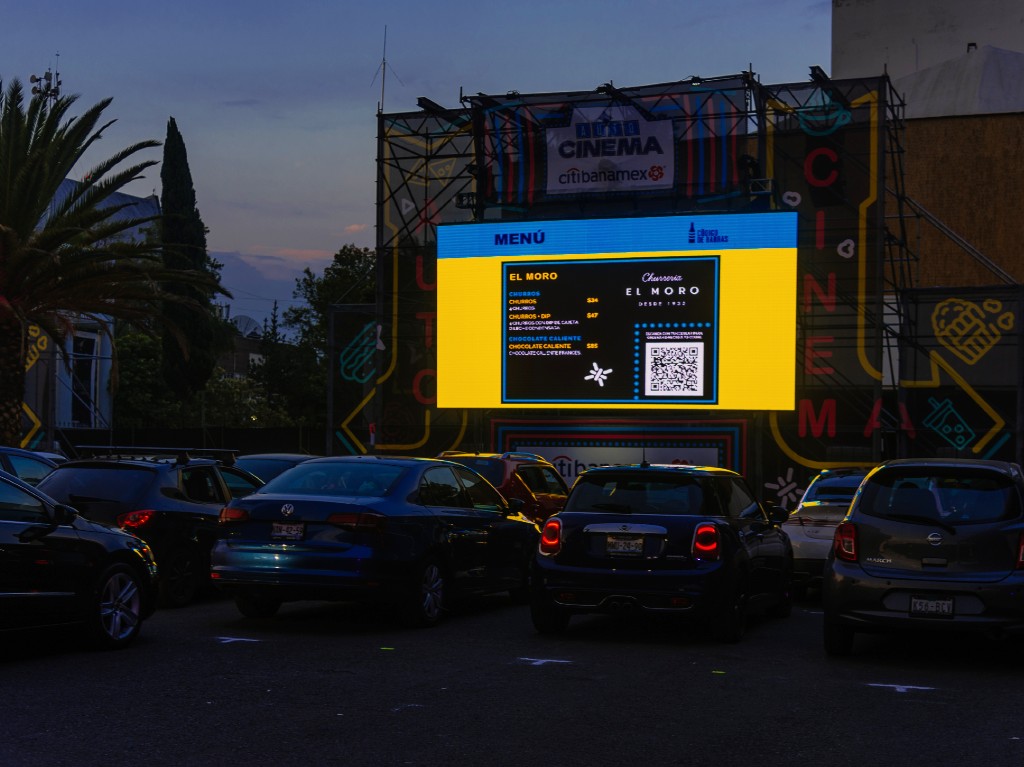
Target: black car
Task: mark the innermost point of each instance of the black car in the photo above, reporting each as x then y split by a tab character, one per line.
266	466
26	465
58	569
169	498
930	545
687	542
412	533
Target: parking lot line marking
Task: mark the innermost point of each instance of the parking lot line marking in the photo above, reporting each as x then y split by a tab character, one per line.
901	687
542	661
229	640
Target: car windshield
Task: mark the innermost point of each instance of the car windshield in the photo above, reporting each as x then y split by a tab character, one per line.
834	488
951	495
637	495
348	478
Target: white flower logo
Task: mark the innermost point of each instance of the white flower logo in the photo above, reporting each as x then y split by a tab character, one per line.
598	374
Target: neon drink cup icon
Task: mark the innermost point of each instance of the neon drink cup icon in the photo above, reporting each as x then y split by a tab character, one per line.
949	424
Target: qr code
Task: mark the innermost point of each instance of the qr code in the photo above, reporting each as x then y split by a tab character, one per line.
675	369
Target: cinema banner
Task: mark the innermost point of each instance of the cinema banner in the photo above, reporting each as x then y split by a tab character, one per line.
610	149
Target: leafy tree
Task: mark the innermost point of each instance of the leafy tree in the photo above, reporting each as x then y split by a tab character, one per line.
290	376
189	357
348	279
63	257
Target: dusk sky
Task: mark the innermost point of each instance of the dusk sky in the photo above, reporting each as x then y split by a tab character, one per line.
277	101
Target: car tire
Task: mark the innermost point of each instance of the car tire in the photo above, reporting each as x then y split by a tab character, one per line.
729	622
181	577
425	604
257	605
838	639
116	608
783	608
547	617
520	595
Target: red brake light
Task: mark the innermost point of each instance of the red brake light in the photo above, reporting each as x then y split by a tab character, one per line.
707	543
551	536
230	514
358	521
844	542
133	520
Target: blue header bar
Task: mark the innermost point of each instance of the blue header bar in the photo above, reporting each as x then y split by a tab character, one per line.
731	231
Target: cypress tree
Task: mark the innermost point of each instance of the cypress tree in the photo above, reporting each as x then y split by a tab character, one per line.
189	356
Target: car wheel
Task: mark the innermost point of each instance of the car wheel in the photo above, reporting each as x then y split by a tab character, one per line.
181	577
548	618
838	639
520	595
115	612
783	608
257	605
426	601
729	623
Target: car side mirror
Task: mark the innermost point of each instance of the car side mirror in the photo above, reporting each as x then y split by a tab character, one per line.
515	505
776	513
63	514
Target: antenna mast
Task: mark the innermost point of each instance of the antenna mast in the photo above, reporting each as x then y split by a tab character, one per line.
384	68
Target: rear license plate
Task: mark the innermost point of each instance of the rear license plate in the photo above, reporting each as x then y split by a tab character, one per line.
625	545
931	607
287	531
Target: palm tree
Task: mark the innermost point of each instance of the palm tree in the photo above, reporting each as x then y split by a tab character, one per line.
71	257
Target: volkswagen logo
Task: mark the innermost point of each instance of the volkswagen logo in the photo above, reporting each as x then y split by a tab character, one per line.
287	510
935	539
624	528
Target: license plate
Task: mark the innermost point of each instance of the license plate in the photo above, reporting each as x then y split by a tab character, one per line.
628	545
287	531
931	607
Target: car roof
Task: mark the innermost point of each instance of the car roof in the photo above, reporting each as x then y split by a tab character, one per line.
664	468
280	456
512	455
1003	467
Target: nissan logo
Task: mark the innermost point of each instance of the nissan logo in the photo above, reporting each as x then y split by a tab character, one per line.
935	539
287	510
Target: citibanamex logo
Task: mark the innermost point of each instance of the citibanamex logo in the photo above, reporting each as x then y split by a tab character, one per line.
657	172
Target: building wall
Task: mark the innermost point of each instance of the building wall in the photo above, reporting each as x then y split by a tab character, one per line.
966	171
903	36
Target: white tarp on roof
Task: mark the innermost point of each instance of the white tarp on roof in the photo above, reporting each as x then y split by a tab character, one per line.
983	81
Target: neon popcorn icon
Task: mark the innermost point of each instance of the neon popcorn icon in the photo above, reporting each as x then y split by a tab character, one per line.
949	424
965	328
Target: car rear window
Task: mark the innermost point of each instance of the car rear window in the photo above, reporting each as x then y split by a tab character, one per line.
115	484
952	495
492	469
335	478
637	495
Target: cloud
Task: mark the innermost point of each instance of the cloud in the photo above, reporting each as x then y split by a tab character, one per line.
356	228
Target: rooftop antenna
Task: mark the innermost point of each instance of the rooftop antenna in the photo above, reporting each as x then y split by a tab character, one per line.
382	70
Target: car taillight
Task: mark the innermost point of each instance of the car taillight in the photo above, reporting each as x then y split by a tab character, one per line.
365	521
551	536
707	543
230	514
133	520
844	542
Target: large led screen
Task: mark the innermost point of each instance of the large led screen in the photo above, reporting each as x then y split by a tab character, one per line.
653	313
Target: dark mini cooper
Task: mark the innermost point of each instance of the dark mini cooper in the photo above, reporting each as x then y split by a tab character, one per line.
408	533
685	541
931	544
